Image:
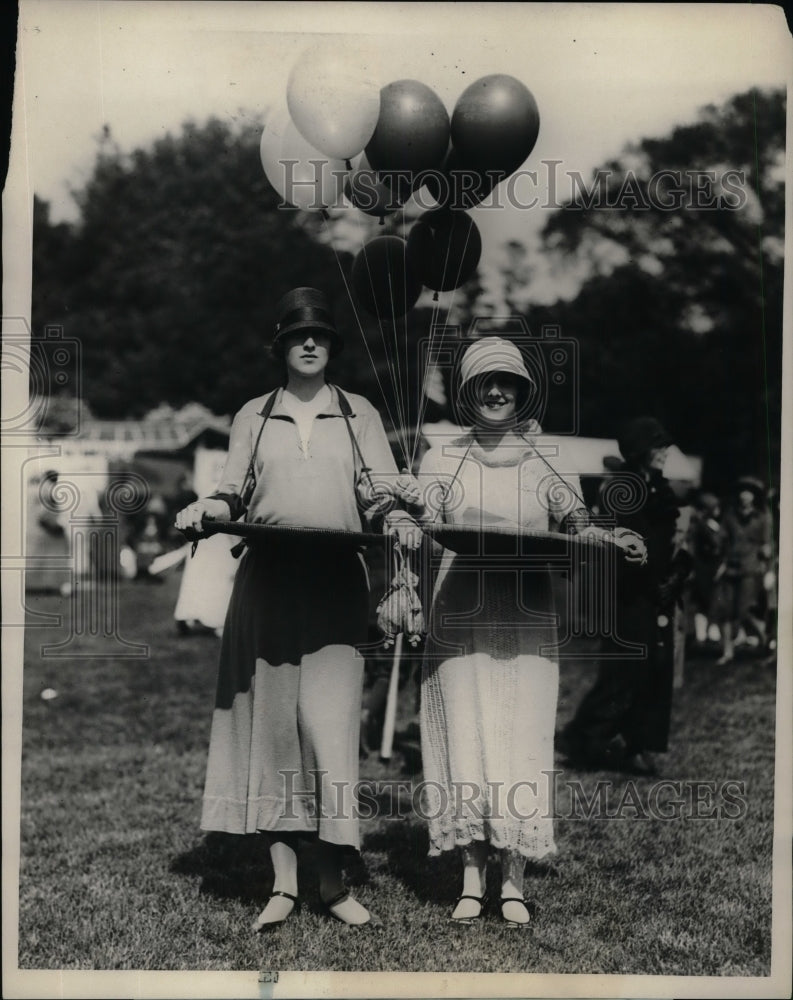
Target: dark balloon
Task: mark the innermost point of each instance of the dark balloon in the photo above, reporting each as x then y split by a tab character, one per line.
412	131
460	186
446	247
401	182
384	277
495	123
369	194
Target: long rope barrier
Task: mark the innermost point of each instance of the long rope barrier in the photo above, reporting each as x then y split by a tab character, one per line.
452	533
263	531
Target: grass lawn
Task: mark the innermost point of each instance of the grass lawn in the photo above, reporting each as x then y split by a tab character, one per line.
116	875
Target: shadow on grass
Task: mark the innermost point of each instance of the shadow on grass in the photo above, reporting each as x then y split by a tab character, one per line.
235	866
230	866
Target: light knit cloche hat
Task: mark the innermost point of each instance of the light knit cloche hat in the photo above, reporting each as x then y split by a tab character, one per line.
493	354
483	357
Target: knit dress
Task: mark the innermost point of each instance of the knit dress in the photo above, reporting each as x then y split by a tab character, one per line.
283	751
490	675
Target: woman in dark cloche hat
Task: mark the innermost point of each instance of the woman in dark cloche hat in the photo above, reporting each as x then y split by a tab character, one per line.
283	752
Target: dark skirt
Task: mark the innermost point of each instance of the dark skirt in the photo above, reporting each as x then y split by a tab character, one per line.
289	600
283	751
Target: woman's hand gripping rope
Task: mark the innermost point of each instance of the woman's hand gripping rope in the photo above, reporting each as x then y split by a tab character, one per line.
629	542
632	545
190	517
398	522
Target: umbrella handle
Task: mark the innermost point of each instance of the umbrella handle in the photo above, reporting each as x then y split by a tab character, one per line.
391	702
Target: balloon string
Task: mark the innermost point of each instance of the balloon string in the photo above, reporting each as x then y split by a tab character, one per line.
423	399
398	373
422	407
401	432
361	331
436	309
405	338
400	429
394	333
423	391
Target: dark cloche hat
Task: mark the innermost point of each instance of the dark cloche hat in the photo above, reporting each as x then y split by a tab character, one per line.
303	309
753	485
638	436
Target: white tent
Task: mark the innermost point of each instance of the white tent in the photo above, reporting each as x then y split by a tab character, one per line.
586	455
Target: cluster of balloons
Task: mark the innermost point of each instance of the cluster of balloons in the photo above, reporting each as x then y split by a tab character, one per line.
340	136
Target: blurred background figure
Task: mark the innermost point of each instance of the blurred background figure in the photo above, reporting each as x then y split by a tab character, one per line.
771	580
185	494
206	586
209	567
47	539
379	663
706	545
746	574
624	719
146	537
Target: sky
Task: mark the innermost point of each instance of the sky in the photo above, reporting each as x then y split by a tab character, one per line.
601	74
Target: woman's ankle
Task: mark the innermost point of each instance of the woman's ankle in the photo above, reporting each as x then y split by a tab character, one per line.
284	861
474	868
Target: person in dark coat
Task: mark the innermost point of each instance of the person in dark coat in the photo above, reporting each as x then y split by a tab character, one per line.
624	719
706	544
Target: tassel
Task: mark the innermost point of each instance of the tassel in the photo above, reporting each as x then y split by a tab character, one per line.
400	608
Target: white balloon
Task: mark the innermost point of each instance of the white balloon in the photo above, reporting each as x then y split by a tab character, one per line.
311	180
334	99
301	174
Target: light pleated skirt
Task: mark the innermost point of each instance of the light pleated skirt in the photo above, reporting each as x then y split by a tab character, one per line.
490	686
487	746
